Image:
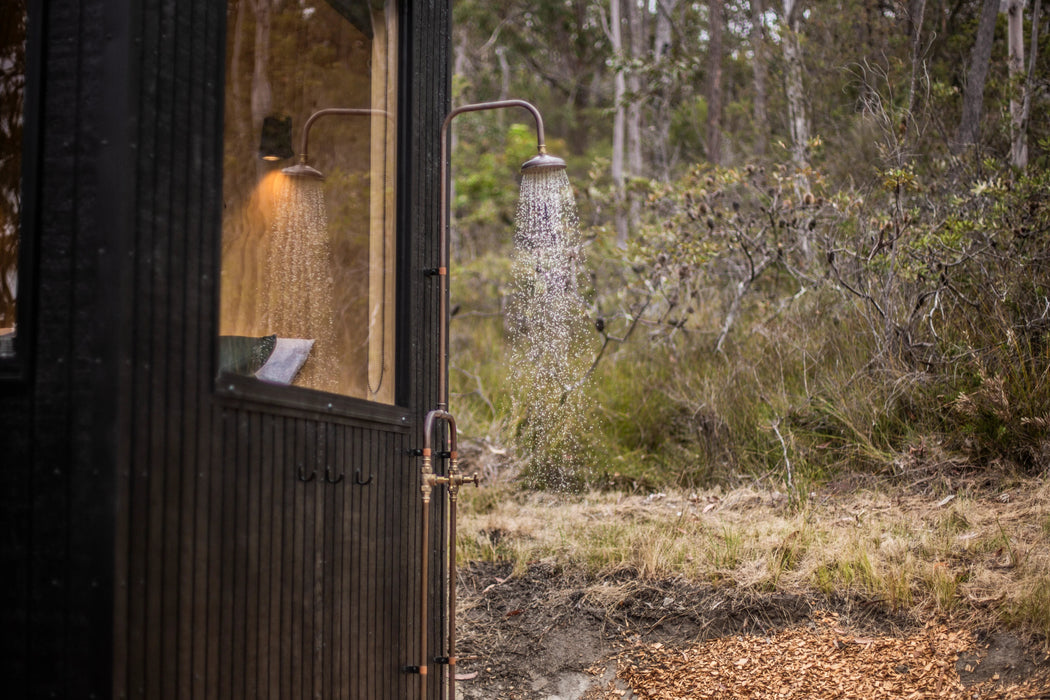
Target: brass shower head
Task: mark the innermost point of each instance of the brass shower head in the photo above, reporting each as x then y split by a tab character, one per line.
301	169
542	161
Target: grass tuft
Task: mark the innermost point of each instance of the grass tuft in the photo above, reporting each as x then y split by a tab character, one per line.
981	558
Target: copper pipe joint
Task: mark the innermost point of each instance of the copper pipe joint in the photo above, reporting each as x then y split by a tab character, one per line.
426	476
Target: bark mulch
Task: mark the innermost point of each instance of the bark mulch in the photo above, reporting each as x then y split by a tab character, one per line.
816	660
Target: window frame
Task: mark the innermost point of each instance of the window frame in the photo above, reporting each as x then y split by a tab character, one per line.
234	389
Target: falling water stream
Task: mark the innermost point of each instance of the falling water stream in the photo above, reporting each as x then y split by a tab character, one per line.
549	358
299	276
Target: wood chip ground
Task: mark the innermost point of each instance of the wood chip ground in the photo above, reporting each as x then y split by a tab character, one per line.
818	660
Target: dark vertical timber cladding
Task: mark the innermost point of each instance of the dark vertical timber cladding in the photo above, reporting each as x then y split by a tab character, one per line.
15	521
354	524
265	524
225	670
16	423
62	447
172	284
286	469
426	74
358	522
227	576
373	582
300	597
437	565
313	541
331	581
194	22
135	491
51	451
250	479
205	223
237	578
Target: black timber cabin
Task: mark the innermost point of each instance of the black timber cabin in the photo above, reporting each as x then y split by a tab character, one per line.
214	373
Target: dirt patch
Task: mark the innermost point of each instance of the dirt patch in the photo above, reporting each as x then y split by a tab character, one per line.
546	635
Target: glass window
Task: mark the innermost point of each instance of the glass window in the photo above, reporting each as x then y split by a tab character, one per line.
12	96
308	263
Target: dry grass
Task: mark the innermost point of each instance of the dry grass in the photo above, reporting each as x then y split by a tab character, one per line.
979	559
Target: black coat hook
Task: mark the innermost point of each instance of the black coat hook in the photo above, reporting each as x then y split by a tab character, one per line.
328	476
359	481
302	474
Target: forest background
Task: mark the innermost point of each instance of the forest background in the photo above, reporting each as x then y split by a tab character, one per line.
816	235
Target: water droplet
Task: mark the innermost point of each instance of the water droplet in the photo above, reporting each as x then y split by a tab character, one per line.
550	330
297	302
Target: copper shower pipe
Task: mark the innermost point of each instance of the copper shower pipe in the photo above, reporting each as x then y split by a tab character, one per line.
453	480
429	479
443	242
302	168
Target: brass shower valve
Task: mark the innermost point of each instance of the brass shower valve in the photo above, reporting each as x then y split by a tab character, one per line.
459	479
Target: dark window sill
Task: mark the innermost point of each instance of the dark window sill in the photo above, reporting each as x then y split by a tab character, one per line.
248	392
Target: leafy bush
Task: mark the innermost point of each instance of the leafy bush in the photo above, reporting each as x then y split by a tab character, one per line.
763	323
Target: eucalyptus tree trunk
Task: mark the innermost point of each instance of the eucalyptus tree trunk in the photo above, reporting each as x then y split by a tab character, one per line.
460	66
262	95
916	15
758	70
236	84
716	14
504	74
637	34
663	38
1026	105
636	52
973	93
615	31
1018	88
798	122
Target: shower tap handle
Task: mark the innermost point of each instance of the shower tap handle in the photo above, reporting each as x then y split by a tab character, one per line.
472	479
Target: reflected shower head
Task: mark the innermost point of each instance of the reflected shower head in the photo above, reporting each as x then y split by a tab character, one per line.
301	169
542	161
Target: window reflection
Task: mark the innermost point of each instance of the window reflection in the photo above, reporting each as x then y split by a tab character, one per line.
307	265
12	94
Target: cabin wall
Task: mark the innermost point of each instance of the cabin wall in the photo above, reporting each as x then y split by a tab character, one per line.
168	536
58	420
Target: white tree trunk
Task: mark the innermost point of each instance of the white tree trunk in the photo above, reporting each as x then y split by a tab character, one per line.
716	13
618	135
636	51
663	38
917	13
973	93
460	66
638	35
1026	106
262	96
758	68
798	123
1015	63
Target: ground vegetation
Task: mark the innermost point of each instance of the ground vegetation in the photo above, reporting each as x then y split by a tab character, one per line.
818	276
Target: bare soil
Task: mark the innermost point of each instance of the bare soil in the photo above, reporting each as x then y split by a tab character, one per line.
548	635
